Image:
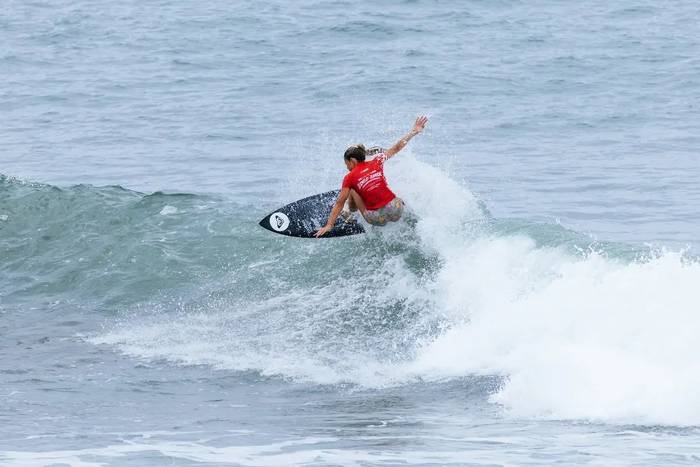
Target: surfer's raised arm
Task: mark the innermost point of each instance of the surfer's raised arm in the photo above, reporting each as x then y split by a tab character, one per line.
417	128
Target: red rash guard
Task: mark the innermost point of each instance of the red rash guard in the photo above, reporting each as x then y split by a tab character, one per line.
367	179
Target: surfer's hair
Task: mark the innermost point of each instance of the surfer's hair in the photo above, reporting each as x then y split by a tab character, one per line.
357	152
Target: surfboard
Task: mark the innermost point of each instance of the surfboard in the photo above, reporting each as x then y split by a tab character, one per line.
304	217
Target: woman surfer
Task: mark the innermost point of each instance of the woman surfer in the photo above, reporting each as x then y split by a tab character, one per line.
366	185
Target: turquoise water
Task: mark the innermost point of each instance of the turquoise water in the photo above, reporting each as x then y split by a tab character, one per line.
541	308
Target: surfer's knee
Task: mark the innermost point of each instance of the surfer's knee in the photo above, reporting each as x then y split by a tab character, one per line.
397	211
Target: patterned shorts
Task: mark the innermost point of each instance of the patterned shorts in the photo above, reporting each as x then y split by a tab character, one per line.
389	213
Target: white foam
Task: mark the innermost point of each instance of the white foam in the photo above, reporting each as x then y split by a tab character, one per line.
441	205
302	451
583	338
168	210
275	454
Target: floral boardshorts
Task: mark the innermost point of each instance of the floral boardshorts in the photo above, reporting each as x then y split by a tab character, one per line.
389	213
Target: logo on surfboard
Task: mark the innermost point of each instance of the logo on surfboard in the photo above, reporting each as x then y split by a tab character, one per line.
279	221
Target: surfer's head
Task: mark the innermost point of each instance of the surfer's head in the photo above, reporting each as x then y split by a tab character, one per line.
354	155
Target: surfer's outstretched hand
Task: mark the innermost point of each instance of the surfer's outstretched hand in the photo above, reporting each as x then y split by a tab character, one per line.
322	231
419	125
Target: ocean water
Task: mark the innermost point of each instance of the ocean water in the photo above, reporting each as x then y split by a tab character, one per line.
542	307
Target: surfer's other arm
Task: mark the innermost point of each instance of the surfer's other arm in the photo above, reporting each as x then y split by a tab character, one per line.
417	128
335	212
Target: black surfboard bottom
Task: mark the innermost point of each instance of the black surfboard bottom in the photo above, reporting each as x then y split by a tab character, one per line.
303	218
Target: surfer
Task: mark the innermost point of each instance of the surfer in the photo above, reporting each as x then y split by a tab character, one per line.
365	186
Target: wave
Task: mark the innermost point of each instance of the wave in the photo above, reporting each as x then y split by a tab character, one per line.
574	329
109	245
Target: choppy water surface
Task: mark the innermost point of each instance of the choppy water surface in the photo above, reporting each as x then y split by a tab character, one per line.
542	307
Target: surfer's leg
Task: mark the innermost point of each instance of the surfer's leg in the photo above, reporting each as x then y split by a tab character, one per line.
353	204
356	203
